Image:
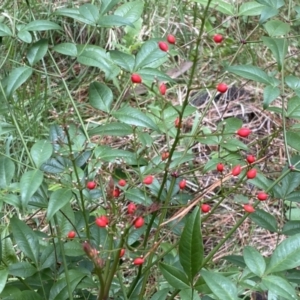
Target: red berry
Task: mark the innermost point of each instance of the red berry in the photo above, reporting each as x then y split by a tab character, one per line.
122	252
171	39
71	234
250	159
262	196
163	46
139	222
91	185
131	208
116	192
220	167
205	208
138	261
243	132
148	179
249	208
182	184
177	123
222	87
122	182
218	38
163	88
101	221
236	170
251	174
136	78
165	155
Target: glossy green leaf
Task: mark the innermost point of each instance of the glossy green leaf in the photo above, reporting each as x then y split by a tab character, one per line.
233	145
49	256
175	277
7	171
191	245
23	269
250	72
53	166
251	8
89	12
162	294
183	158
41	151
112	129
152	74
74	14
58	199
28	295
278	47
131	11
24	36
279	286
267	13
41	25
289	183
16	78
73	248
219	5
60	290
277	28
293	108
293	275
221	286
138	196
8	253
124	60
37	51
254	261
66	219
133	116
294	197
148	54
189	294
107	5
30	182
286	256
270	94
291	228
272	3
66	49
112	21
292	82
237	260
100	96
264	220
3	278
293	139
5	30
26	239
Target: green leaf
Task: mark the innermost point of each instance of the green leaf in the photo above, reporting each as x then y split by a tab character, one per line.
278	48
293	108
3	278
37	51
237	260
148	54
16	78
251	8
175	277
149	74
219	5
95	56
26	239
107	5
279	286
264	220
7	171
277	28
289	183
112	21
73	248
270	94
138	196
293	139
267	13
58	199
132	116
191	246
162	294
100	96
250	72
40	152
89	12
291	228
41	25
181	159
113	129
60	290
221	286
233	145
292	82
22	269
74	14
66	219
25	36
66	49
131	11
8	254
5	30
294	197
286	256
124	60
28	295
272	3
49	256
254	261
